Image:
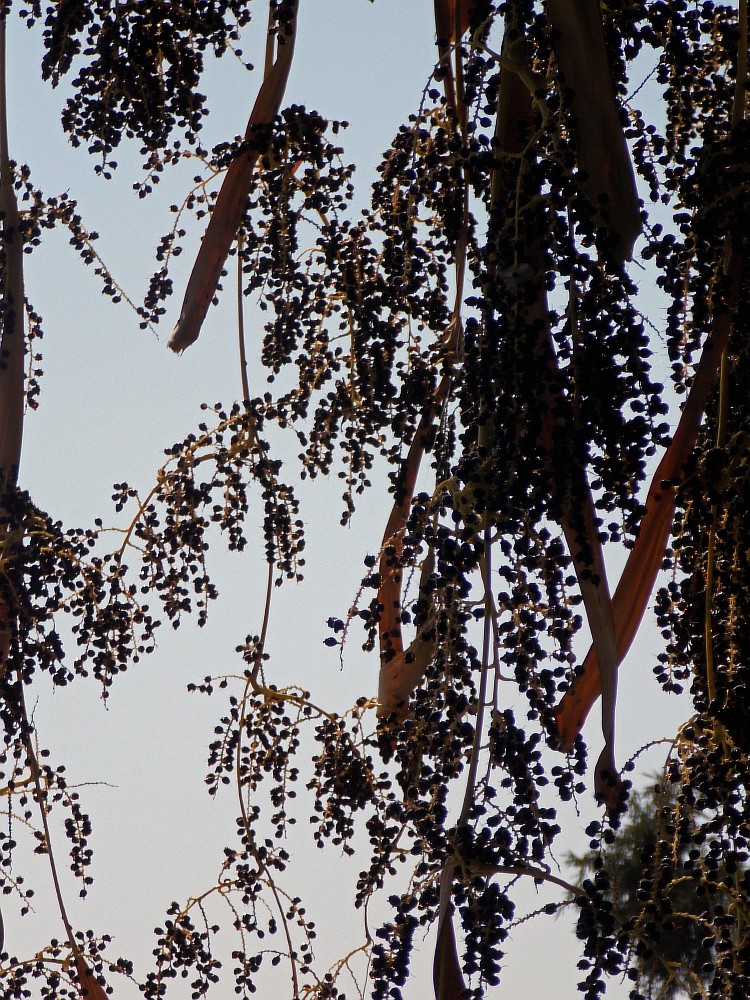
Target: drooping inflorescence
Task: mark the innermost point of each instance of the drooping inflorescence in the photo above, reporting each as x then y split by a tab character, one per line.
479	328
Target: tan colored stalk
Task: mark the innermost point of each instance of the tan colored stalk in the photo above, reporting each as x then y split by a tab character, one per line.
12	318
644	561
229	209
738	115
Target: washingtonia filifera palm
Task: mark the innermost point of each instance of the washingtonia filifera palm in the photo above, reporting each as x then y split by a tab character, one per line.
477	328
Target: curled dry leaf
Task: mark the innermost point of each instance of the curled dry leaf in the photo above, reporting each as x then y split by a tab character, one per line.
411	665
580	526
229	209
453	17
402	670
447	977
603	154
637	582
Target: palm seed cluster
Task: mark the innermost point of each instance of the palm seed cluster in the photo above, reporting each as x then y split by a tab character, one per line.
478	328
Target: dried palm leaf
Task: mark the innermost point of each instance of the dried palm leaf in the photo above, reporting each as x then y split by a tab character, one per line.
401	670
603	155
447	977
636	584
229	209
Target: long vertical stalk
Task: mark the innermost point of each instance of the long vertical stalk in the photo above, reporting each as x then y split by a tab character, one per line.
12	308
88	986
241	329
12	349
12	394
738	114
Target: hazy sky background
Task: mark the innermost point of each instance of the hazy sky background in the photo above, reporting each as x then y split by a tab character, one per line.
113	397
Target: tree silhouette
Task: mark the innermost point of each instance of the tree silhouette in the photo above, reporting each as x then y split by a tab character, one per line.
478	328
673	953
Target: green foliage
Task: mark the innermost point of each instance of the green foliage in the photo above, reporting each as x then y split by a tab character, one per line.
667	917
